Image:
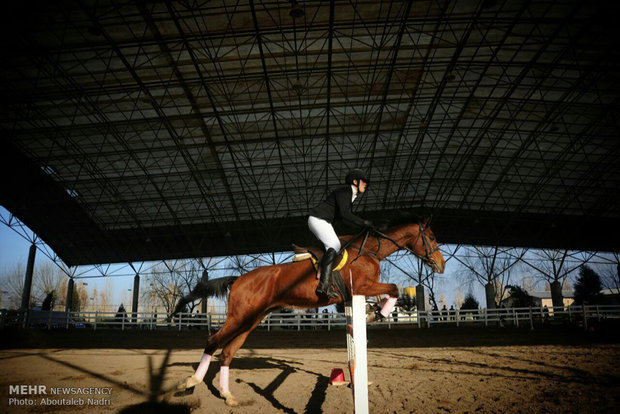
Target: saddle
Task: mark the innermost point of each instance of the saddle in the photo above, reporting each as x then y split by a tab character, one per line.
315	254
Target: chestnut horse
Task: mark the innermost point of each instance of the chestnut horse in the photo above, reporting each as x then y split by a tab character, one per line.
255	294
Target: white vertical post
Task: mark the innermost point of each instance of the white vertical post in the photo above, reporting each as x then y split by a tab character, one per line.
348	313
585	317
360	360
515	317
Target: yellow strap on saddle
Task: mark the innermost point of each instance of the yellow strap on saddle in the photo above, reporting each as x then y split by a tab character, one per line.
343	262
340	265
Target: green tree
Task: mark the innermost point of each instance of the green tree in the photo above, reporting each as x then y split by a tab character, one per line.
48	302
470	302
121	313
588	287
519	297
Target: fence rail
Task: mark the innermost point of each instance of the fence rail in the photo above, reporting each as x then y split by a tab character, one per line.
525	317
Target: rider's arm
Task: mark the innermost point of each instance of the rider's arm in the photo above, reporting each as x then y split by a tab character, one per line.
343	204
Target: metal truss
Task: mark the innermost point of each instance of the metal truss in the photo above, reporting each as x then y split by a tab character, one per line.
216	266
172	117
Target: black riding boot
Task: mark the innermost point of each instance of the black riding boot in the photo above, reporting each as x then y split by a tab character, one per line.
327	264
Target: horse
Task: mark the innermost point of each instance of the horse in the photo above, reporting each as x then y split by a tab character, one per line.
253	295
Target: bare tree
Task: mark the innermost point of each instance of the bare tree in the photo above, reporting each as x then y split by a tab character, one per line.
442	300
13	285
189	278
428	279
166	287
555	266
82	294
458	298
170	281
93	299
47	278
528	283
148	297
105	297
492	267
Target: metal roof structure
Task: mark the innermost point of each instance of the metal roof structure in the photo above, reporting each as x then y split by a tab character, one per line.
167	129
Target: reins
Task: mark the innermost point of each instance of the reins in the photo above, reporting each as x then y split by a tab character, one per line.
425	243
347	244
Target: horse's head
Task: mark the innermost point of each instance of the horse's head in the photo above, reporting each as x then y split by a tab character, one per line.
424	245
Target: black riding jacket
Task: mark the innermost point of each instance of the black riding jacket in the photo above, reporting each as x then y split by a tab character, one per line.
337	206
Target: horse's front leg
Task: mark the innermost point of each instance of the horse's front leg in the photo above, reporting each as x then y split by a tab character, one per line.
226	357
366	282
377	289
386	305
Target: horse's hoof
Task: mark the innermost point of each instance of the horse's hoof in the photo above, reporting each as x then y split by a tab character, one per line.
189	382
370	317
230	400
374	317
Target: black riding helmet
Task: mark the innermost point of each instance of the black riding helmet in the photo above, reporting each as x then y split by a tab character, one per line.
356	174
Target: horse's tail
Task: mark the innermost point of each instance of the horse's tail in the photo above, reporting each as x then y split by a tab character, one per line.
204	289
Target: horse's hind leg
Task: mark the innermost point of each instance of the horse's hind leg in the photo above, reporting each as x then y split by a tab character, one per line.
228	332
229	351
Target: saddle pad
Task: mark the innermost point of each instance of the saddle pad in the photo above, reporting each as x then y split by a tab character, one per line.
306	256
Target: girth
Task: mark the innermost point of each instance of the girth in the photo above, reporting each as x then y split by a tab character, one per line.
315	254
340	286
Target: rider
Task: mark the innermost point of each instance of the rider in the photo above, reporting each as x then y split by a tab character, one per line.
337	206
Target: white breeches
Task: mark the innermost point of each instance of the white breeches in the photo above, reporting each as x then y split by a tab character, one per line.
324	231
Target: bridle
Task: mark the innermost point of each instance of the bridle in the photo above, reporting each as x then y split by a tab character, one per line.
428	250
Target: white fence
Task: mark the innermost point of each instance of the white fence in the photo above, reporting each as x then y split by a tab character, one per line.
528	317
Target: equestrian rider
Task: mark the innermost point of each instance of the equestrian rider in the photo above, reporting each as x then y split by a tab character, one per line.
337	206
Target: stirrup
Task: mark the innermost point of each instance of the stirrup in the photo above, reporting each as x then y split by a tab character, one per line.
331	293
327	291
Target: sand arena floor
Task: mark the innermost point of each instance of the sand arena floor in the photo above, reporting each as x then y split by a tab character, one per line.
464	370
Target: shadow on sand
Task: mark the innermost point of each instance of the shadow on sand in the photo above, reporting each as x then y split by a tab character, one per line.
286	368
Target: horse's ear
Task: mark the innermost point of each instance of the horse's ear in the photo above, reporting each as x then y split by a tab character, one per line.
427	220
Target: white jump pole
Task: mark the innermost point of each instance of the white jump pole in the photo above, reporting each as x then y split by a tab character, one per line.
356	349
